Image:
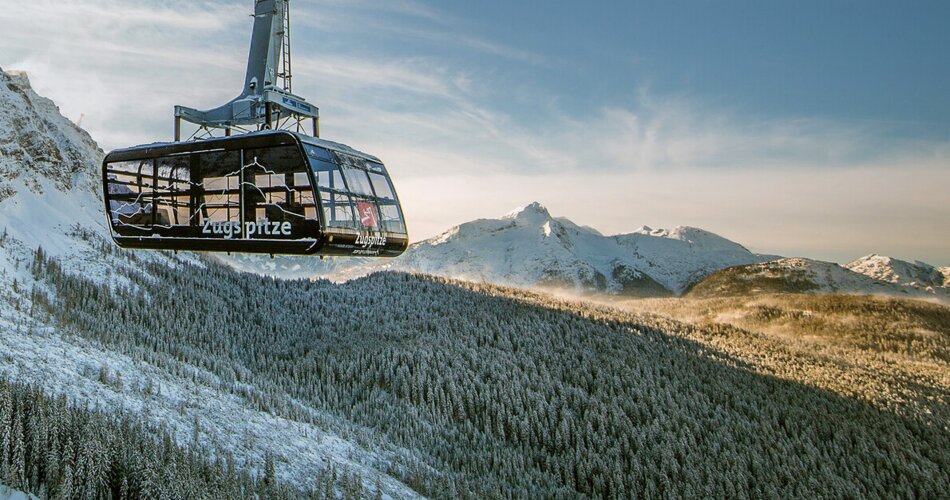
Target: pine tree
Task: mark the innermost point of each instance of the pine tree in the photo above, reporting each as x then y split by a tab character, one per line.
18	469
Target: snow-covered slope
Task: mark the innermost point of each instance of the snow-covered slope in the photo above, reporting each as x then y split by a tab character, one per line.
49	198
684	255
8	493
888	269
800	275
528	247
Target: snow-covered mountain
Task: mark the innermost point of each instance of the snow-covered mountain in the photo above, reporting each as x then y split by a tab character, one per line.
888	269
800	275
530	248
48	181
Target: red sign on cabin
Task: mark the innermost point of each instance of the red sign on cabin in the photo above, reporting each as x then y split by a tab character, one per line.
367	213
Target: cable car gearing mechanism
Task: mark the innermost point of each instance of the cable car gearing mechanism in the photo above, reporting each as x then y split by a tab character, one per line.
254	177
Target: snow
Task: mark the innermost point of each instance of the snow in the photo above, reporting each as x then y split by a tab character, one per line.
528	211
36	138
527	247
888	269
445	237
8	493
684	255
51	186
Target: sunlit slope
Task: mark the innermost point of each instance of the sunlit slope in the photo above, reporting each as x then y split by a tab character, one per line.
892	353
807	276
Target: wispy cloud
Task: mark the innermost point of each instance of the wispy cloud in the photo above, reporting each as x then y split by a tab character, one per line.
806	185
364	18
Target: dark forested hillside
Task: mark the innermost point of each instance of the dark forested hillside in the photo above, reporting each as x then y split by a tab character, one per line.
504	397
54	449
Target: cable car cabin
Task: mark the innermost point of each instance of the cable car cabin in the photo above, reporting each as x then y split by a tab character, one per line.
272	192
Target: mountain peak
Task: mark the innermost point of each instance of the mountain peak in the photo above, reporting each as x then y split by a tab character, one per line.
39	145
531	211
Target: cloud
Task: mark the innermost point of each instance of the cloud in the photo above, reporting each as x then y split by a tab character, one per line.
457	150
123	65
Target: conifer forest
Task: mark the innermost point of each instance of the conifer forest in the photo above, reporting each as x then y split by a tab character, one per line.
498	393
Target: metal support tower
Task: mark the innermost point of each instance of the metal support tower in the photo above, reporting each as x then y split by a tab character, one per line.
262	104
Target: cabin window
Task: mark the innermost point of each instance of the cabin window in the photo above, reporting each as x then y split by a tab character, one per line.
131	191
214	186
392	217
275	188
337	209
328	175
316	153
382	187
357	181
355	192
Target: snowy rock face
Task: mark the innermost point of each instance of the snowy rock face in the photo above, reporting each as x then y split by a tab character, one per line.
684	255
38	144
899	272
49	171
528	247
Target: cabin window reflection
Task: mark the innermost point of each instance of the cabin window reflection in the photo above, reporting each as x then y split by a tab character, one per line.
276	186
131	190
317	153
357	181
392	217
172	188
328	175
302	184
215	190
382	187
337	210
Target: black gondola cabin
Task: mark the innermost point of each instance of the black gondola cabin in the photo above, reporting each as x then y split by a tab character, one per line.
271	192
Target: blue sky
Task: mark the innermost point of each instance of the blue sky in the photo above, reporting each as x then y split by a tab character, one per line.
800	128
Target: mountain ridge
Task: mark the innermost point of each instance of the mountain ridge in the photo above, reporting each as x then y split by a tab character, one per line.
35	137
915	274
802	275
528	247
